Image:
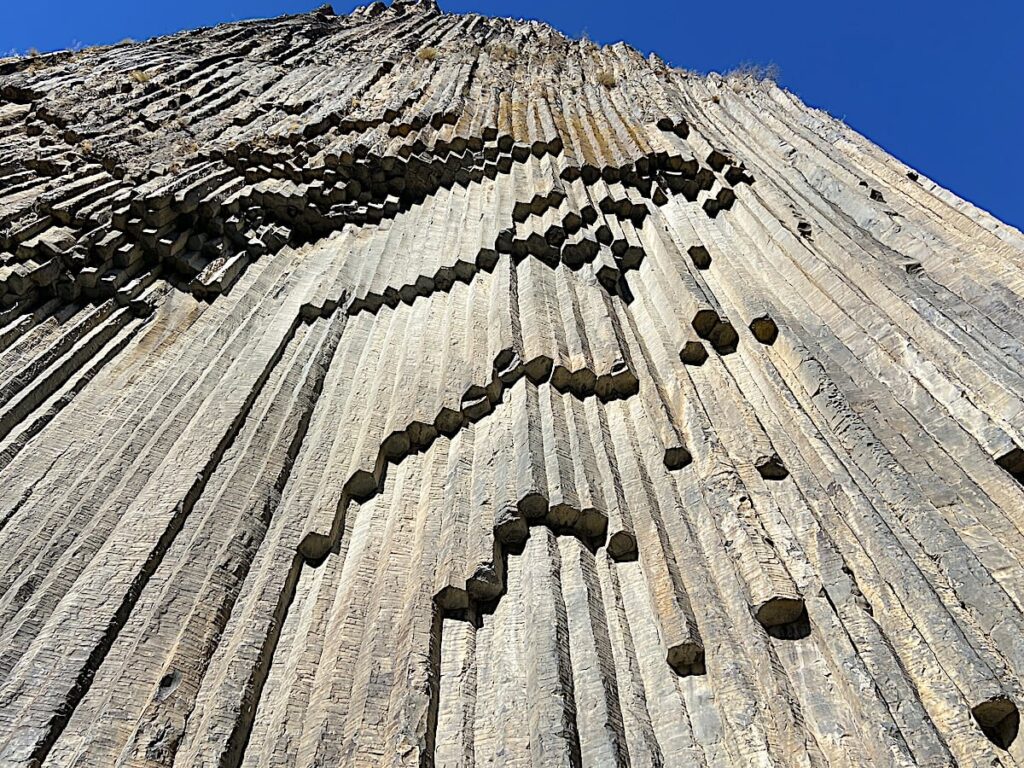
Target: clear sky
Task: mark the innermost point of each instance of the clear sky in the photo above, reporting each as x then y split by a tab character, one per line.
939	83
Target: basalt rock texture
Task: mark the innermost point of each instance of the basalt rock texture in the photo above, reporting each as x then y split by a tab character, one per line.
416	389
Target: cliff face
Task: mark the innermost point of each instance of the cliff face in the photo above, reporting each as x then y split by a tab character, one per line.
411	389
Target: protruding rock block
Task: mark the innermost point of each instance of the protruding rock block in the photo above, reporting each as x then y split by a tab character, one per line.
677	458
999	719
764	329
1013	462
693	353
771	467
700	256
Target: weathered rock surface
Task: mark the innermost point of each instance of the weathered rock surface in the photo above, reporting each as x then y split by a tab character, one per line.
411	389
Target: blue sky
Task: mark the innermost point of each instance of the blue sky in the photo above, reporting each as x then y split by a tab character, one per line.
939	83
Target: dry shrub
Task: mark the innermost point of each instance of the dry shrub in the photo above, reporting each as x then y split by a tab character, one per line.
504	52
606	78
756	72
427	54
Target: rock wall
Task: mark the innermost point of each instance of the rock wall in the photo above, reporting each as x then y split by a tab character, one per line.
415	389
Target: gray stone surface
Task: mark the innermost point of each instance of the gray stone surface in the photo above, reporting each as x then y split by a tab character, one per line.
416	389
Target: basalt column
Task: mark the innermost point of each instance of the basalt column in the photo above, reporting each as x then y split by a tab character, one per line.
416	389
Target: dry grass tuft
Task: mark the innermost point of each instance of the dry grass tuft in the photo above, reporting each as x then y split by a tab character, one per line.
427	54
36	60
504	52
756	72
606	78
140	76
